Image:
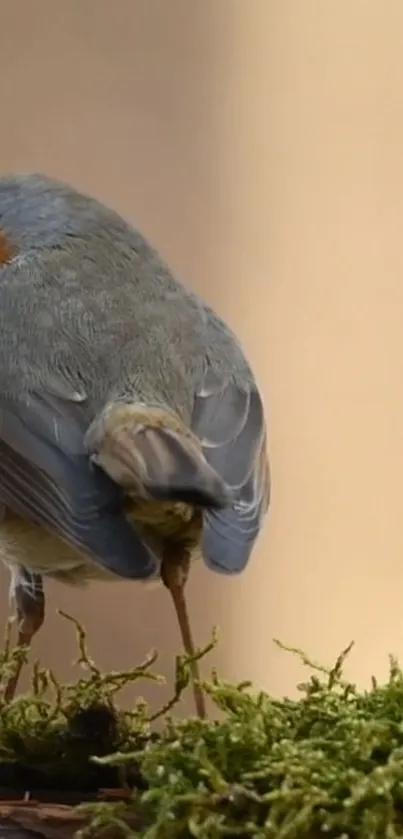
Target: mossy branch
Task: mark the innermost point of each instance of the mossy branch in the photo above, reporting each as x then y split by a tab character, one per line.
329	763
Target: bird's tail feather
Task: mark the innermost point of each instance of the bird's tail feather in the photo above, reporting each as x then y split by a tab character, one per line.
151	454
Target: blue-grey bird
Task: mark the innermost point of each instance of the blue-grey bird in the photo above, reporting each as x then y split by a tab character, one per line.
132	431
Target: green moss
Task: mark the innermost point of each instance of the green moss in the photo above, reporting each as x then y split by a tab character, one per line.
328	764
48	737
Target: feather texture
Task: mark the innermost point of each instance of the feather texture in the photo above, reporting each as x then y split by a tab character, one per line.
47	479
230	423
90	317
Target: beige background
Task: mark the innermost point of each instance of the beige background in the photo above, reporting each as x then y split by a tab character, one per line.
259	145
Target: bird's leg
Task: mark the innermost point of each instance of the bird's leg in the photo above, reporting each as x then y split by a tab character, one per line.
174	574
28	594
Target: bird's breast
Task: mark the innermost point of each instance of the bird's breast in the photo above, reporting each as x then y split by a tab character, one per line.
24	543
39	550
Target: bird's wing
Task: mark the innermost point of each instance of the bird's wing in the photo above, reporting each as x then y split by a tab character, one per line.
47	477
229	421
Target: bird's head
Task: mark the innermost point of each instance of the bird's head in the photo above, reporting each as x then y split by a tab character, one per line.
153	455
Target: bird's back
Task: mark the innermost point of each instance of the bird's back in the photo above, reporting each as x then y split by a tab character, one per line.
81	289
90	314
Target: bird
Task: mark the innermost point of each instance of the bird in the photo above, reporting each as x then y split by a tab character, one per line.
133	433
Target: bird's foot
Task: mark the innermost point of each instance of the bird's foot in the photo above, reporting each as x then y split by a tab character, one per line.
28	594
174	573
175	567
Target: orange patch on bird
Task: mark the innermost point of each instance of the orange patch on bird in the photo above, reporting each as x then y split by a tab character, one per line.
6	251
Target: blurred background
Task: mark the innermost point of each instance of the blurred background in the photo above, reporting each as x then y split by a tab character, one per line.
259	147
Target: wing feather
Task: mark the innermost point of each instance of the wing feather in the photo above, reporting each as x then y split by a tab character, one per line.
46	477
229	420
